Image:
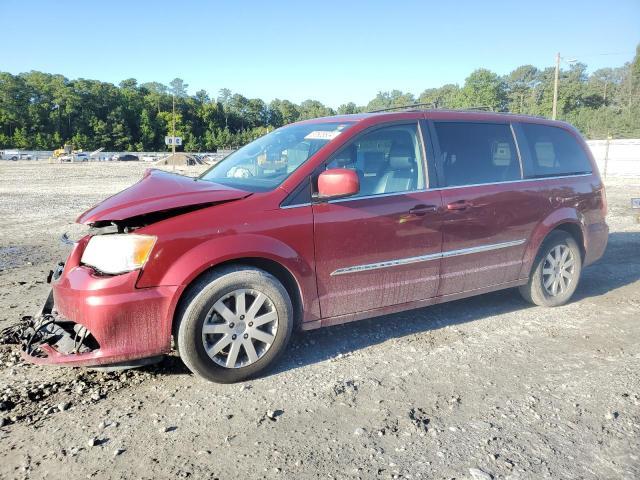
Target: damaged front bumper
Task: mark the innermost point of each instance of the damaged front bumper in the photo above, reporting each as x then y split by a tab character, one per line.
47	335
95	320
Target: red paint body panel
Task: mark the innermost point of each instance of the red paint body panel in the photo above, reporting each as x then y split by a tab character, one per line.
496	214
157	191
371	230
131	315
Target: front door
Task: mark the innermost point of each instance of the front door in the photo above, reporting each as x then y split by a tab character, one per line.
382	246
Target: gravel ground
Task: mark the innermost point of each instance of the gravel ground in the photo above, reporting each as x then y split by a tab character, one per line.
488	387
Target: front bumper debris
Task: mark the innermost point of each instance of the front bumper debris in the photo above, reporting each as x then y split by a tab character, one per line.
47	334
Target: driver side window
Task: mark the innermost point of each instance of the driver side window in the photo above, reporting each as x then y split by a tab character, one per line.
387	160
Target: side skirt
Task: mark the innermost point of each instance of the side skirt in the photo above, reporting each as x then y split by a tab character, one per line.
376	312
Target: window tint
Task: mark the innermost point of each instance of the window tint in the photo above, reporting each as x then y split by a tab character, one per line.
473	153
387	160
553	151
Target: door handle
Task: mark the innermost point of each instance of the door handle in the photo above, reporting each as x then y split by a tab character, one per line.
460	205
422	209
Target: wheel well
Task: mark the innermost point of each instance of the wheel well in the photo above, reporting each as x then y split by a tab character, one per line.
274	268
575	231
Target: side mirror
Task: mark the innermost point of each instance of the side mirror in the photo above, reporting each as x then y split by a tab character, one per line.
337	183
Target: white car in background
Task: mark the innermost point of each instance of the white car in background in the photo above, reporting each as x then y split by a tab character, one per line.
16	155
76	157
148	158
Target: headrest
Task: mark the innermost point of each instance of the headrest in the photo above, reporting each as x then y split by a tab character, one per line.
401	157
346	157
373	162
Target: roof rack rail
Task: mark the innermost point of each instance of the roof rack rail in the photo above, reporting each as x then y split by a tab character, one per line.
402	107
413	106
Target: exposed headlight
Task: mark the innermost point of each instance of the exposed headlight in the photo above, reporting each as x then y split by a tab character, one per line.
118	253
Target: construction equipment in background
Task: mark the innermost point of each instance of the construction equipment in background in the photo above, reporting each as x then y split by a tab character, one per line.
67	149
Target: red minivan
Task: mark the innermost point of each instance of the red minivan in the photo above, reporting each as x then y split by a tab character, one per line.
323	222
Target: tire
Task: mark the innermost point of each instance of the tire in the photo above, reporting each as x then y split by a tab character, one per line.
548	286
211	319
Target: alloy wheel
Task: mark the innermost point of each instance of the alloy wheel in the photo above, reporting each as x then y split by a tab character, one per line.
558	270
240	328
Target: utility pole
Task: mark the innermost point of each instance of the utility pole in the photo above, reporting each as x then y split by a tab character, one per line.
173	126
555	88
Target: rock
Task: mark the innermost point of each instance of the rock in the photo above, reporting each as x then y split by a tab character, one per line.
64	406
611	415
274	414
478	474
358	431
168	429
118	451
3	422
93	441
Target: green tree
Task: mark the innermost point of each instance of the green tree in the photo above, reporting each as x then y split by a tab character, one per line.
484	88
447	96
392	99
348	108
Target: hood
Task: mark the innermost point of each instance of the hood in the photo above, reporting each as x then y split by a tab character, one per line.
159	191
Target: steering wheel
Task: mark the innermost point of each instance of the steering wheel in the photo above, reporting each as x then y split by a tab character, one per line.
239	172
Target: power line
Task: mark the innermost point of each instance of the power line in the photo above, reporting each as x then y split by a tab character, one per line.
600	54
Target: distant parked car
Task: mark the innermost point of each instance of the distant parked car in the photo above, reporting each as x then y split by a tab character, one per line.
148	158
126	158
76	157
16	155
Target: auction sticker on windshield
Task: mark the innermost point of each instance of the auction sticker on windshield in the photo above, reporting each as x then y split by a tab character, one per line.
322	135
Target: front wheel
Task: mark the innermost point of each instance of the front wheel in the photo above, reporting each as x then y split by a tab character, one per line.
556	271
234	323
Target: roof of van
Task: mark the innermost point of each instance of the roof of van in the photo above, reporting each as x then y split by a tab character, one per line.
437	114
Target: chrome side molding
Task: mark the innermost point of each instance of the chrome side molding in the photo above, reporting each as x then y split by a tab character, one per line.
426	258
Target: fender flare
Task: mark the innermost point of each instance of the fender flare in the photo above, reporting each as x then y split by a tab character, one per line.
565	215
216	251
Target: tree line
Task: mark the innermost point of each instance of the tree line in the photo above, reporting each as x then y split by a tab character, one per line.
43	111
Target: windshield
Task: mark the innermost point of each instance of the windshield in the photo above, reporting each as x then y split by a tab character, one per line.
266	162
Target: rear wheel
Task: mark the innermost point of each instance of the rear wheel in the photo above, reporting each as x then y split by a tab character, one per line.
556	271
234	323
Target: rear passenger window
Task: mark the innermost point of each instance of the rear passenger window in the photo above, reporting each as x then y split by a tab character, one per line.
553	151
476	153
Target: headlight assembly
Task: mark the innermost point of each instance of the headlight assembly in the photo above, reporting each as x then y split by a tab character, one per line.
118	253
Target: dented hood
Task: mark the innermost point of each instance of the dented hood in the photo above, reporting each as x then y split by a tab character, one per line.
159	191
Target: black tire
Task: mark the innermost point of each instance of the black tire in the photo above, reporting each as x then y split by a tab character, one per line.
534	291
199	302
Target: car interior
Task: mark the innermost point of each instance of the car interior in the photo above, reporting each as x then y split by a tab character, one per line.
477	153
386	161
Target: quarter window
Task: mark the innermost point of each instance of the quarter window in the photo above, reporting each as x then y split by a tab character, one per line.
387	160
553	151
476	153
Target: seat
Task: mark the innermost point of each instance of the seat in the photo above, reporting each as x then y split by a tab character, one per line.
374	165
402	172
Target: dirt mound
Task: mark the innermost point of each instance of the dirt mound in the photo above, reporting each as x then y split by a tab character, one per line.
180	159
